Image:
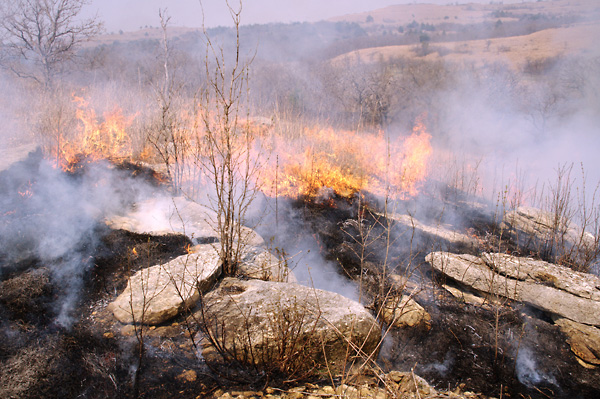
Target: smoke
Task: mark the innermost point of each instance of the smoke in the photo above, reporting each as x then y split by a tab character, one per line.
283	228
527	371
54	219
520	128
442	368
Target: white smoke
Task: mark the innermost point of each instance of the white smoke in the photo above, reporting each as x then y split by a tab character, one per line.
58	223
528	372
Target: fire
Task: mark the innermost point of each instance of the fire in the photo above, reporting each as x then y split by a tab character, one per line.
311	163
417	150
348	162
26	190
96	137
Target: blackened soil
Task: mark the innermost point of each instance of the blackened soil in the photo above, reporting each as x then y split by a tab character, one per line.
517	355
502	351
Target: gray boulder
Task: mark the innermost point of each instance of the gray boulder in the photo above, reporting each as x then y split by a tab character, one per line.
552	288
269	323
166	215
158	293
439	234
549	234
259	263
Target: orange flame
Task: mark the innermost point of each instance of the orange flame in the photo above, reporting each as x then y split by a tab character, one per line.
310	163
27	191
348	162
96	137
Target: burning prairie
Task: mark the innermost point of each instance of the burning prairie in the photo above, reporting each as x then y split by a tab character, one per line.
316	216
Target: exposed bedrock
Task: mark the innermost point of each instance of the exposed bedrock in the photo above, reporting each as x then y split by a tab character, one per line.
262	323
572	298
166	215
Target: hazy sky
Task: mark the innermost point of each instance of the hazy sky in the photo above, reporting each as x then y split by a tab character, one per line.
131	14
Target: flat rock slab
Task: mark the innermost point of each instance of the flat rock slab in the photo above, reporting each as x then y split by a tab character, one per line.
548	287
262	322
439	233
158	293
166	215
543	231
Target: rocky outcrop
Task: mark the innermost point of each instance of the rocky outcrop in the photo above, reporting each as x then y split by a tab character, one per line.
395	384
549	234
439	234
583	339
551	288
403	311
166	215
259	263
158	293
267	323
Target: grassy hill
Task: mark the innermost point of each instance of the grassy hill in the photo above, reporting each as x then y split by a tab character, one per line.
516	34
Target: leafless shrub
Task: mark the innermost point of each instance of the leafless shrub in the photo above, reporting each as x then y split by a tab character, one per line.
227	145
172	134
43	35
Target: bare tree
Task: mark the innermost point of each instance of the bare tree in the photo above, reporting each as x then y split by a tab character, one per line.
40	36
227	144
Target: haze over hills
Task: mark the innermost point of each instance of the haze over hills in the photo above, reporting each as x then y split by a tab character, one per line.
546	29
474	32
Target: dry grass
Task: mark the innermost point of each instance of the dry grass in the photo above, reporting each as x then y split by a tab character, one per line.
515	51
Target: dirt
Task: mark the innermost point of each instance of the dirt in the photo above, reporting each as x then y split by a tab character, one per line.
506	350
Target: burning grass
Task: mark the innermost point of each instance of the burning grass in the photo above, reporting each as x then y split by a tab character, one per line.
303	164
347	162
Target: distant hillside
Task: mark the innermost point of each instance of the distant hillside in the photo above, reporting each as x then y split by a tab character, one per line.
479	33
394	16
516	51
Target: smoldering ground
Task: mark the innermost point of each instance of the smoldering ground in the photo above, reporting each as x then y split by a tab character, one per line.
54	219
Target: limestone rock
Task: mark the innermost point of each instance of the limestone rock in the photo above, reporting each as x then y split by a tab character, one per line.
583	339
443	234
404	311
406	383
464	296
548	287
261	322
158	293
584	285
543	232
161	216
260	264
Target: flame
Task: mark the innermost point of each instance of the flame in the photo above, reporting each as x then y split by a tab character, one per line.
314	162
348	162
96	137
417	150
134	251
27	191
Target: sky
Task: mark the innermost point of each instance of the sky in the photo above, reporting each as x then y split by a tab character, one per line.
130	15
